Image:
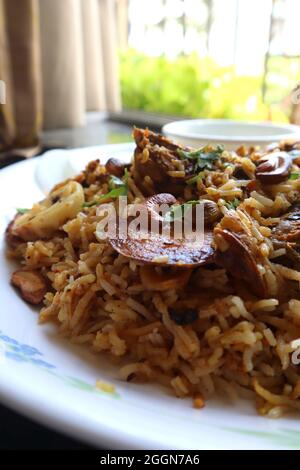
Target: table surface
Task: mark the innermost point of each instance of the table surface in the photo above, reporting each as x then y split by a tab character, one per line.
17	432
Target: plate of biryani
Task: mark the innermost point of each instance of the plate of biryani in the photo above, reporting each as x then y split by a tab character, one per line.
130	337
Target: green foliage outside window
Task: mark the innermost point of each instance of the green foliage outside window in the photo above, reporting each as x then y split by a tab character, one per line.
192	86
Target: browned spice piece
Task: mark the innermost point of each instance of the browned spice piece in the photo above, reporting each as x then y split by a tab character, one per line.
31	284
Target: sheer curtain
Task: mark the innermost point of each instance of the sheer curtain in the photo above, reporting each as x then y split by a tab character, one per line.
58	59
21	115
79	61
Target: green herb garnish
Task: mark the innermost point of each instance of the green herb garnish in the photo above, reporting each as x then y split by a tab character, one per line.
113	194
195	178
294	176
202	158
118	187
22	211
233	204
178	210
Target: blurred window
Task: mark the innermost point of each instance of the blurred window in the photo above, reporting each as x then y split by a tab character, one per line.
209	58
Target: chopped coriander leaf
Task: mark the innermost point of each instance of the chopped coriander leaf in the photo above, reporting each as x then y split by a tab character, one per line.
117	186
202	158
178	210
22	211
113	194
233	204
195	178
294	176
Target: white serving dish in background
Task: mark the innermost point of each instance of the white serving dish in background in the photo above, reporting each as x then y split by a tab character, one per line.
231	134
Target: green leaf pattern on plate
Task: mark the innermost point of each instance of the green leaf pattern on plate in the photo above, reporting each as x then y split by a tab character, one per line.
281	437
11	349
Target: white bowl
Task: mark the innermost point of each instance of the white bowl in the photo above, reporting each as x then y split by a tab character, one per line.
231	134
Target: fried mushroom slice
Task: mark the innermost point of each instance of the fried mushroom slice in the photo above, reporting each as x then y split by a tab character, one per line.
115	167
288	229
291	257
161	247
237	257
273	168
31	284
162	250
286	235
156	159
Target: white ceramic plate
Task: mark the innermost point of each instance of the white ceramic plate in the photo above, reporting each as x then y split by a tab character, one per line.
57	165
53	382
232	134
